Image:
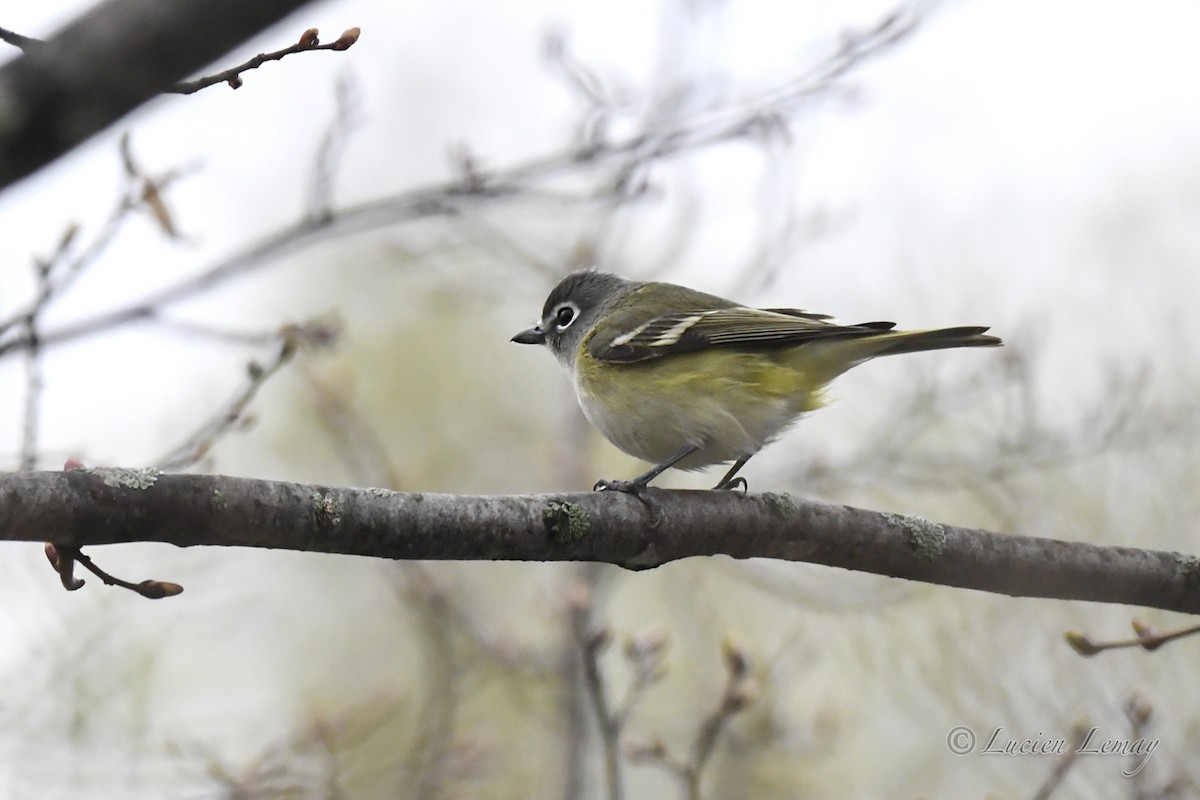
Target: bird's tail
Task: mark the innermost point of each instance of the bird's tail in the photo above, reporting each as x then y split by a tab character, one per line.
891	344
824	360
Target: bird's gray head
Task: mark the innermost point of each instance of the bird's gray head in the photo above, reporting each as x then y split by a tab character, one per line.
572	310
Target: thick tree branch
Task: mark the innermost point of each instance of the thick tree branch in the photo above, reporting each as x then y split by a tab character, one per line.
105	506
107	63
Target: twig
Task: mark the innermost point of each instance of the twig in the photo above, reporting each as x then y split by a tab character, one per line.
1146	638
732	121
347	115
1138	713
63	558
739	692
314	334
430	751
645	655
61	270
109	60
360	446
32	406
582	584
1063	763
307	44
592	642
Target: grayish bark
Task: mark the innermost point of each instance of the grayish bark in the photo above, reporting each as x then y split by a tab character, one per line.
105	506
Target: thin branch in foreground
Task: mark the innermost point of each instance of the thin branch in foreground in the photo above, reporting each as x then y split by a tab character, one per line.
233	76
308	43
64	557
1146	638
106	506
108	61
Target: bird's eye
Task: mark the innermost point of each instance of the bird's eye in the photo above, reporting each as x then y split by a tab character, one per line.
564	316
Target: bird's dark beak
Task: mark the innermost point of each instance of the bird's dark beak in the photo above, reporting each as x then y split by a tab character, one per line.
533	335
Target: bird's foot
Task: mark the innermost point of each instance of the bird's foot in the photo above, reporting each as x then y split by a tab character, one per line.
732	485
638	489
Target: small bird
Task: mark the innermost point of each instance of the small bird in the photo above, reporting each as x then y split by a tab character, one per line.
685	379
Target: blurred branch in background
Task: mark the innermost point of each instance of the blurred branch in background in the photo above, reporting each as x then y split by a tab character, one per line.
611	165
645	655
313	335
740	690
915	447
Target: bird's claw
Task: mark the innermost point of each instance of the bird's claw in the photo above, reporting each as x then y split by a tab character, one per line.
639	490
732	486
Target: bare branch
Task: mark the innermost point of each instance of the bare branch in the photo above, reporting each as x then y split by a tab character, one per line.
346	117
623	159
233	76
316	333
739	691
1063	763
63	559
64	266
592	642
106	506
1146	638
109	61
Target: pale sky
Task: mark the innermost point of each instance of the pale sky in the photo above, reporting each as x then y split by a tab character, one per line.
1029	165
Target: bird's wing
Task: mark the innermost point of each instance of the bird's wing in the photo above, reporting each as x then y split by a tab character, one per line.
629	335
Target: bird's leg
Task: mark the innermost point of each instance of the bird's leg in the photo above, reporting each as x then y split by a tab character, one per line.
637	486
730	482
639	483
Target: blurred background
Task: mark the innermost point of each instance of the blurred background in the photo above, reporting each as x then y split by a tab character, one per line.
407	204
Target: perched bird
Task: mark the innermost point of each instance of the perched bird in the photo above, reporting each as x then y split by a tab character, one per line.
685	379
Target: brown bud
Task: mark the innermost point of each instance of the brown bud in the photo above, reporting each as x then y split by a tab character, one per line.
1081	644
156	590
348	38
235	82
309	38
52	555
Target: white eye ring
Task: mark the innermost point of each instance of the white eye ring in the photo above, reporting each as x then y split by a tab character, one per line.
564	315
